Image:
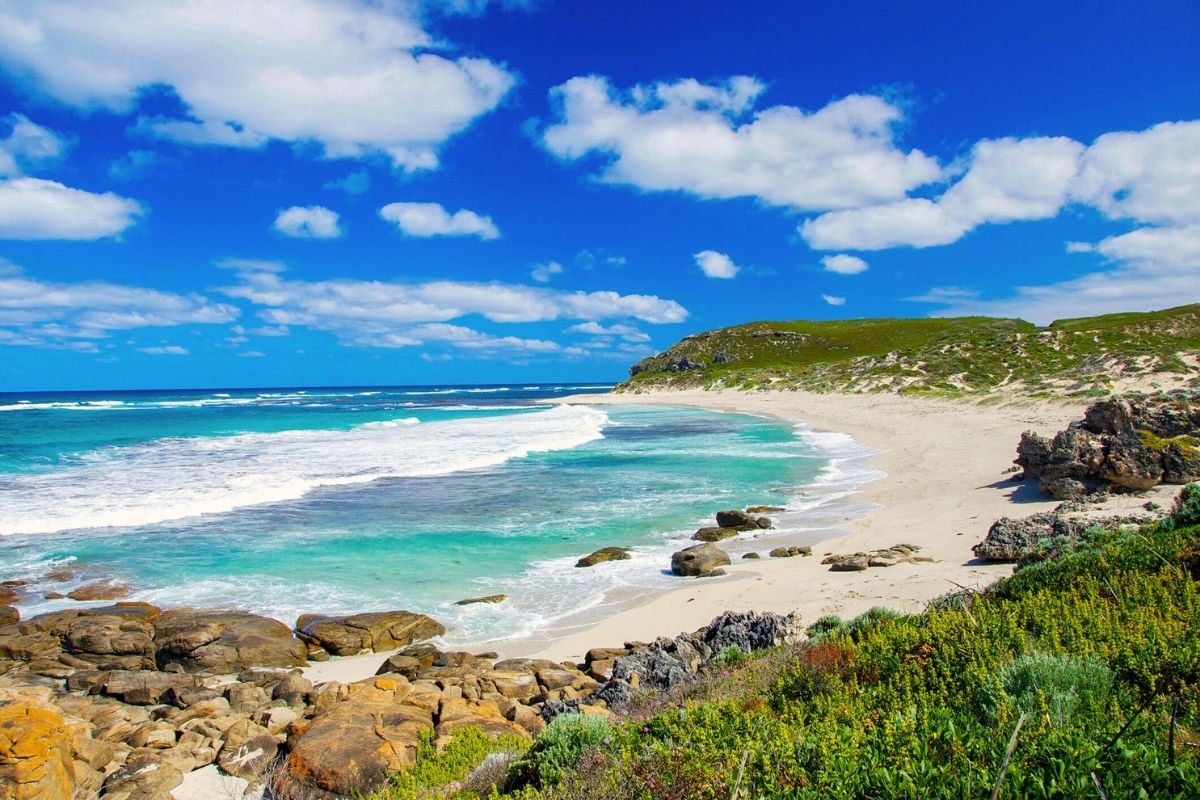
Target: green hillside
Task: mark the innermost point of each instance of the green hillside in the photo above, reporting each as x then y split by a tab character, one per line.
953	356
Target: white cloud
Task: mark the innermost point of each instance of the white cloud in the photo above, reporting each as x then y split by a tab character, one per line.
133	164
165	350
385	314
33	208
708	139
629	333
716	265
308	222
543	272
356	182
356	78
45	314
270	330
431	219
843	264
1153	268
27	145
252	354
1151	175
1007	180
833	299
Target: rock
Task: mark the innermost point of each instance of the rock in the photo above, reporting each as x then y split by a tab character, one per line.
247	751
9	615
35	753
604	554
1064	488
1039	535
491	598
246	697
144	687
723	358
354	747
751	631
382	630
791	552
146	775
714	534
8	595
100	590
854	563
739	520
765	509
682	364
223	642
699	560
751	555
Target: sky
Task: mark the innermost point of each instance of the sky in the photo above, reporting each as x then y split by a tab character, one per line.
212	193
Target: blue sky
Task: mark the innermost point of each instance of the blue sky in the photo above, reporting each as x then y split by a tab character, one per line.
309	193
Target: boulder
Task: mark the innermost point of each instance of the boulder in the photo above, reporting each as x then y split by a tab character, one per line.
248	750
1131	464
491	598
223	642
35	753
699	560
714	534
739	520
100	590
8	595
353	748
604	554
144	687
751	555
791	552
9	615
765	509
146	775
852	563
381	630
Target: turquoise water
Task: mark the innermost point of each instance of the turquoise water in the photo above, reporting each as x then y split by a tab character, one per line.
294	501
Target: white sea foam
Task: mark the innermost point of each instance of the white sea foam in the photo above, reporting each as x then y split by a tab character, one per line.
390	423
170	479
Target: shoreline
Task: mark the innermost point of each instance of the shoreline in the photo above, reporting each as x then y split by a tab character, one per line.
944	482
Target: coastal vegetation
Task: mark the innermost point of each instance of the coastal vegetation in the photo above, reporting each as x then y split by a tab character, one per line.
964	356
1079	676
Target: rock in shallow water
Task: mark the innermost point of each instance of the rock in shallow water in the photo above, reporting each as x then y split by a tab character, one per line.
604	554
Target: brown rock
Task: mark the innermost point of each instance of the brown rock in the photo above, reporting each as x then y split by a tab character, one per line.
699	560
383	630
737	519
247	751
353	747
144	687
714	534
491	598
61	575
551	679
604	554
224	642
517	685
35	753
8	595
790	552
751	555
854	563
100	590
765	509
146	775
9	615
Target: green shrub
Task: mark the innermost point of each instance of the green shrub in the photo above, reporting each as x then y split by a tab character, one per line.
559	748
432	770
869	618
1186	511
824	626
1066	683
730	656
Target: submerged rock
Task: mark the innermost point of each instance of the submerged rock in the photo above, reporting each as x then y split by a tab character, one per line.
603	555
491	598
714	534
699	560
100	590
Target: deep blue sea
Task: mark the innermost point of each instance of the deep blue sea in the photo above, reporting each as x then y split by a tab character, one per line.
288	501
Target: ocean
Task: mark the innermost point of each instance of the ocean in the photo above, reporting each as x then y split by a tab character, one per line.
318	500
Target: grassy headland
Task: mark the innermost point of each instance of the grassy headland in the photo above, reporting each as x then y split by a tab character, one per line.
948	357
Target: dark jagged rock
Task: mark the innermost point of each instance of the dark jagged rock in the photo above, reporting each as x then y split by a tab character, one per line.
751	631
603	555
1130	443
699	560
683	364
382	630
724	358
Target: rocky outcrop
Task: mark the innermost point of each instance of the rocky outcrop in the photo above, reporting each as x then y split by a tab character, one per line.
724	358
603	555
1129	443
1040	535
223	642
683	364
358	633
700	561
888	557
36	752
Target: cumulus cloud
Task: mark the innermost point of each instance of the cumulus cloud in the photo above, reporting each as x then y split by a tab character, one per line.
628	333
356	78
166	350
711	141
33	208
431	219
1007	180
45	314
388	314
843	264
1151	268
308	222
542	273
833	299
716	265
27	145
